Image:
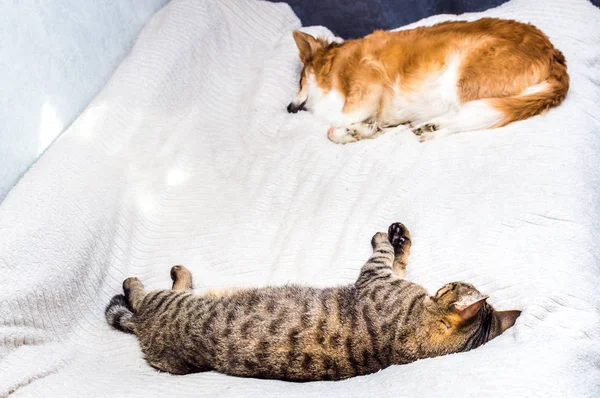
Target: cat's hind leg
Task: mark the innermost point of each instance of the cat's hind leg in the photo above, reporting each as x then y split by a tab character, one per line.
399	237
134	292
181	277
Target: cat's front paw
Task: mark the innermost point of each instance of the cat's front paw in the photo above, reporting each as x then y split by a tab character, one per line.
399	236
378	238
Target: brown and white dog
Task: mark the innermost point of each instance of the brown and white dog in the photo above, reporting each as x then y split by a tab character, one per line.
450	77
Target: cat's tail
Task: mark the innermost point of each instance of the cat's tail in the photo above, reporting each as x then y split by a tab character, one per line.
118	315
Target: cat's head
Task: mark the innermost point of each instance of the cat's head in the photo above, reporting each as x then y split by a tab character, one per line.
458	318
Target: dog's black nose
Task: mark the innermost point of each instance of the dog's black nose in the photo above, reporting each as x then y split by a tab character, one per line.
291	108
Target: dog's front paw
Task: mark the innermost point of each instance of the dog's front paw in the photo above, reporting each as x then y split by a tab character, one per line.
425	128
430	131
341	135
398	235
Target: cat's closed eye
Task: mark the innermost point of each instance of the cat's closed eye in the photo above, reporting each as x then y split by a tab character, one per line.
445	324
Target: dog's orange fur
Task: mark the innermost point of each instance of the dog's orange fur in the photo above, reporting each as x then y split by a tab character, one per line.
499	61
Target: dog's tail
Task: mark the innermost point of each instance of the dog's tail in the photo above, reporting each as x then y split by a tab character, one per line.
118	315
538	98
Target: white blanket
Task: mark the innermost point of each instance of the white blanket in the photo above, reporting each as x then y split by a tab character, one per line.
188	156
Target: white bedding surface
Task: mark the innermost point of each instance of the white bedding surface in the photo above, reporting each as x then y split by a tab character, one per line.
188	156
55	56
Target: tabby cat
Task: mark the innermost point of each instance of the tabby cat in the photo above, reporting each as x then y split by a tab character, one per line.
302	333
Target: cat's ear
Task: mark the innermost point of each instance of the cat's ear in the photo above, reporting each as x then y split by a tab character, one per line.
507	318
307	45
467	307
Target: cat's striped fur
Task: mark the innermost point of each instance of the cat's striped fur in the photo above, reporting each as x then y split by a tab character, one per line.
303	333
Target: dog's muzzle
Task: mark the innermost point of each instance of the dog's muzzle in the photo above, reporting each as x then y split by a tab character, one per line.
293	108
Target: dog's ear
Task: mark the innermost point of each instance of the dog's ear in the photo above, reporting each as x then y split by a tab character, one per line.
307	45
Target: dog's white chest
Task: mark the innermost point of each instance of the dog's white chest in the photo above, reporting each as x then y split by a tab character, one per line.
328	107
435	95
